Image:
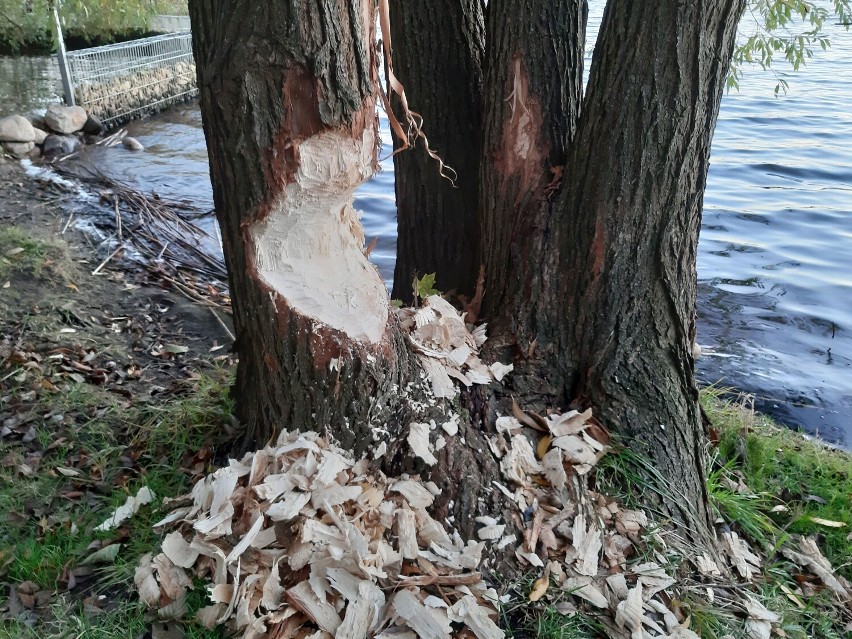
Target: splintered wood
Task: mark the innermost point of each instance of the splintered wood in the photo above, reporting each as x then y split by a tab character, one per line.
447	347
300	540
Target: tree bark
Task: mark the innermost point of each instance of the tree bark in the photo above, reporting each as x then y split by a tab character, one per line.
534	89
288	104
591	219
630	218
438	56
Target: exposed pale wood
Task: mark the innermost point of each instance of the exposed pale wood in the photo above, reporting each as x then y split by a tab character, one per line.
428	623
322	613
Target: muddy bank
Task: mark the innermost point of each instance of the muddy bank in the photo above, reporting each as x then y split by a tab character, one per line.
126	331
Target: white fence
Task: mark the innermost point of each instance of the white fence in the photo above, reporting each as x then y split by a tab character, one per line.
120	82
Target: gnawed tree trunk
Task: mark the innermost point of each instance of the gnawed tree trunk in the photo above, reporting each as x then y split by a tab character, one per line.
607	292
438	56
630	214
288	96
534	91
288	103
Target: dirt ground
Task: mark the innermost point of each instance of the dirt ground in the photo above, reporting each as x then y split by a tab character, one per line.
108	382
61	305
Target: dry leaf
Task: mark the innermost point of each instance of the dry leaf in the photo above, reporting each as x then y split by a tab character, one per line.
130	507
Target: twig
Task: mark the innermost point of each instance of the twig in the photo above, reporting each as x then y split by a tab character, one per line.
67	224
117	219
222	324
109	257
5	377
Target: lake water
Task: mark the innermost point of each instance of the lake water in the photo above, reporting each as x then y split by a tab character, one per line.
775	285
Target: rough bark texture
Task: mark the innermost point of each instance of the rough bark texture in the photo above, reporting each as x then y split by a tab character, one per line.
279	81
591	276
534	90
438	55
629	216
274	76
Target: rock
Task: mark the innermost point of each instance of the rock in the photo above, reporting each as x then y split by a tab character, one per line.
16	128
39	136
65	119
132	143
35	153
36	118
18	150
93	125
56	145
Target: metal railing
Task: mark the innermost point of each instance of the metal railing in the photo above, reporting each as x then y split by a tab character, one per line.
120	82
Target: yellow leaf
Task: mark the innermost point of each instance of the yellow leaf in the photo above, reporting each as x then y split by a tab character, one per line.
72	286
543	445
792	596
539	588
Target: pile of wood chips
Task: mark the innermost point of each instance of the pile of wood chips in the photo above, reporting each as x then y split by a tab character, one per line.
448	348
301	540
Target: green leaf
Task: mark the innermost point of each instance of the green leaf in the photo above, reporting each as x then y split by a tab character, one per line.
425	286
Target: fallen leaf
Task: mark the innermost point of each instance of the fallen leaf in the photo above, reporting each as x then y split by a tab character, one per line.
68	472
827	522
540	585
175	348
103	556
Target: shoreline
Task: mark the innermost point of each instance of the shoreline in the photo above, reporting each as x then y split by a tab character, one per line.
111	384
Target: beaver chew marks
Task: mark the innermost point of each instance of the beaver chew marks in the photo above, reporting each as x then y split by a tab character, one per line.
309	249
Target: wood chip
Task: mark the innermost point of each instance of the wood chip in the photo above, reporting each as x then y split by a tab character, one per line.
584	587
415	493
406	531
468	611
130	507
428	623
362	614
418	440
179	551
320	612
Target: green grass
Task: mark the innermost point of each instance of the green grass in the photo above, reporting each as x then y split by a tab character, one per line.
523	619
810	478
757	467
22	252
117	447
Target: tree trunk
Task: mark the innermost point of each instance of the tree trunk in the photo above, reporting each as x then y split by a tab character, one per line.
613	309
288	103
534	91
438	55
631	216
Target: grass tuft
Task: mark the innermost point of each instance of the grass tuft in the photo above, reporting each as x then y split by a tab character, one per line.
21	251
